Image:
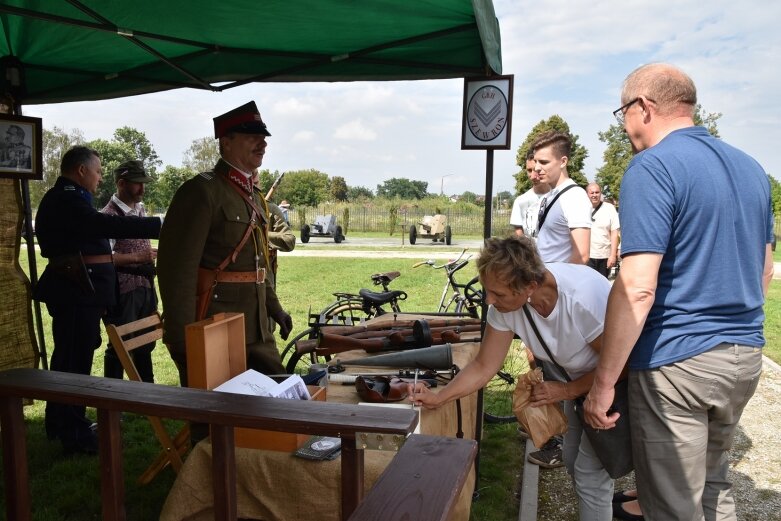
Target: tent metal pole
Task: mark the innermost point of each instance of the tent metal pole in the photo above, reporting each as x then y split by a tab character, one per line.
489	188
29	237
489	191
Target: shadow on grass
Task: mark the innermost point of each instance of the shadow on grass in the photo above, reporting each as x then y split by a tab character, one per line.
68	487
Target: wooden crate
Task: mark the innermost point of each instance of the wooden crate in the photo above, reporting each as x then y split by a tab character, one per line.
216	352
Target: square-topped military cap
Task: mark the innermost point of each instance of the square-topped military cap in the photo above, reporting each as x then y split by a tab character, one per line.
132	171
245	120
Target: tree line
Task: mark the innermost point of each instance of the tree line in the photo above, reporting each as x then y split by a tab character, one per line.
309	188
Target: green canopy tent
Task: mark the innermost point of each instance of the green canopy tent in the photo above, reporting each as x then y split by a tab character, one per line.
70	50
75	50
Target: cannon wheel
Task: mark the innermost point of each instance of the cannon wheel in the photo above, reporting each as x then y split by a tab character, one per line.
338	237
305	233
413	234
448	235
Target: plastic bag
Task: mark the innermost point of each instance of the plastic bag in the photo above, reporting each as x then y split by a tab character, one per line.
540	422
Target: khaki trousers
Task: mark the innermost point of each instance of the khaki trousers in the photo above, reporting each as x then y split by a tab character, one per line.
683	418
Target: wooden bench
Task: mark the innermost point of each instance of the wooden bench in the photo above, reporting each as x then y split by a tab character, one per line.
222	411
422	482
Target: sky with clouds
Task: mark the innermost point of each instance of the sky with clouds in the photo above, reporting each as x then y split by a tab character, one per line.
568	57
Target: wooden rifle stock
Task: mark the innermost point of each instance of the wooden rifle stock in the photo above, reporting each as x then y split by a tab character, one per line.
332	344
399	324
274	186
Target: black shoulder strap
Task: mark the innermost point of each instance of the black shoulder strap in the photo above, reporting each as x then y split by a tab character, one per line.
548	206
595	210
542	342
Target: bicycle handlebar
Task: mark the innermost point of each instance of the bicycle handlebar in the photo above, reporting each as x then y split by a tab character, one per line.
432	262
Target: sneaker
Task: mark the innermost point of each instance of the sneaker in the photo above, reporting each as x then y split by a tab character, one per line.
549	456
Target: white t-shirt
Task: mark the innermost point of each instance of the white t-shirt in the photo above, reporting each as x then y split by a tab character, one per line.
571	210
525	210
605	221
576	320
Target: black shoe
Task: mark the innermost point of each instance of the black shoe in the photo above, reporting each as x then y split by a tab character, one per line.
549	456
620	497
86	444
620	513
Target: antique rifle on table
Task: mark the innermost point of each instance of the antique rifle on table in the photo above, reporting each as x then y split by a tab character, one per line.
421	335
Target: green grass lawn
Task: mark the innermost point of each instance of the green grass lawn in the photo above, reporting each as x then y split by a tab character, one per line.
68	488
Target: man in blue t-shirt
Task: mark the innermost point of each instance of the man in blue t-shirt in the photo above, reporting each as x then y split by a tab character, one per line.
686	310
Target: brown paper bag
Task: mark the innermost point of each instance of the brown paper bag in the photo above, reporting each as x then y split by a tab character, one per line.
540	422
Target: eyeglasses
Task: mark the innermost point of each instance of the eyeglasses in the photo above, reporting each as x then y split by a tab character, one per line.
620	112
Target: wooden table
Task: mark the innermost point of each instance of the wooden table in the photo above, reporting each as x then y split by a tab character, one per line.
279	486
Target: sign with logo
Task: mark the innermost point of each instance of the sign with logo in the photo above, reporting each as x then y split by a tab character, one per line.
487	115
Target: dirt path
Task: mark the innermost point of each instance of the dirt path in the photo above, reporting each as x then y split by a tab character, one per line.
755	462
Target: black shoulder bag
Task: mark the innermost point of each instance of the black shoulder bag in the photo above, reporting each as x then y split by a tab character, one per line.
613	446
545	209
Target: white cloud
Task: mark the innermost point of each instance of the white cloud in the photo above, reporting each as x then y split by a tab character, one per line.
568	58
303	136
355	130
293	107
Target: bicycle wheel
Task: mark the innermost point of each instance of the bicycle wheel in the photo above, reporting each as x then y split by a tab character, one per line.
340	313
498	392
290	349
465	307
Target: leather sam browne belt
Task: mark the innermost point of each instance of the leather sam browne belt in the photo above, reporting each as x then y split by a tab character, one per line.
207	279
258	277
97	259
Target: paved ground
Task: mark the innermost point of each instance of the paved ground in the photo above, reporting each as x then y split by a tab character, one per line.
361	247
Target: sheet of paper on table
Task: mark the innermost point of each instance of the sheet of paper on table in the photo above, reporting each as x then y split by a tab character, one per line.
254	383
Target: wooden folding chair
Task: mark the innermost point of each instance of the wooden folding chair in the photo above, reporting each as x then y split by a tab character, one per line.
125	339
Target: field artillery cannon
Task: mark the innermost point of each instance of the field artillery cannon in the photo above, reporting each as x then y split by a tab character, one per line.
324	226
431	227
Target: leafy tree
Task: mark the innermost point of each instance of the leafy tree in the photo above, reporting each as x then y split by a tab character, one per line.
141	146
304	187
112	154
168	182
402	188
503	199
618	152
469	197
338	189
775	194
358	193
202	154
127	144
55	143
576	159
266	179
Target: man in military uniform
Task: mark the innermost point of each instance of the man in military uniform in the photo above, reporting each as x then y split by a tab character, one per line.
213	254
79	282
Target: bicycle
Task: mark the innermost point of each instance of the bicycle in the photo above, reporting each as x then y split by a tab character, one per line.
457	300
498	392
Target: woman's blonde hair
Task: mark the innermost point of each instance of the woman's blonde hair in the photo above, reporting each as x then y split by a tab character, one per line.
514	261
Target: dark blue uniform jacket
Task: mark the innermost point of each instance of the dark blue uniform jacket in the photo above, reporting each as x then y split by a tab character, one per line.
67	224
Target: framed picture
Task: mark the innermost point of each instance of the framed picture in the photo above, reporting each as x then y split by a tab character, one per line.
487	117
21	153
